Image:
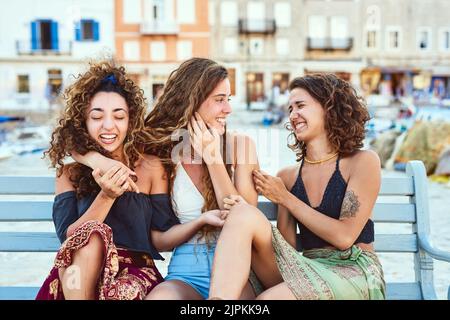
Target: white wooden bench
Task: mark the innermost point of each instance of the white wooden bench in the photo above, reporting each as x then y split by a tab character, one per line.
412	185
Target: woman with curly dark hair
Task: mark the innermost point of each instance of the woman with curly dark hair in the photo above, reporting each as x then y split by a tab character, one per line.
329	196
110	236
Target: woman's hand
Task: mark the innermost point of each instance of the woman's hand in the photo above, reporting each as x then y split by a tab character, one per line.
215	218
232	200
114	182
104	164
272	188
205	141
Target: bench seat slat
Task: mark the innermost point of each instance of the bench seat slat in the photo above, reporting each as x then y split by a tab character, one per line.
29	242
18	293
394	291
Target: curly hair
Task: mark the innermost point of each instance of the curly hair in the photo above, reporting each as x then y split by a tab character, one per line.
71	134
185	90
345	113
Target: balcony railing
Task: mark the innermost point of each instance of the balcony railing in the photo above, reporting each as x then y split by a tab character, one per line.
264	26
159	27
330	43
29	47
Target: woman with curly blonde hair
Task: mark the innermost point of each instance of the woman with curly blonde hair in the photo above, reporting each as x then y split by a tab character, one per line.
207	166
329	196
110	236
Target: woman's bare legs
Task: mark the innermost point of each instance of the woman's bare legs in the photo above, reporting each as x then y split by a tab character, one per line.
245	240
247	293
279	292
173	290
79	281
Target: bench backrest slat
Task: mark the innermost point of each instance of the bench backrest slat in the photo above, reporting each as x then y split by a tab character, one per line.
397	186
29	242
27	185
13	210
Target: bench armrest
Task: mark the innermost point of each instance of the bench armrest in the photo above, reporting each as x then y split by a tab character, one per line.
425	244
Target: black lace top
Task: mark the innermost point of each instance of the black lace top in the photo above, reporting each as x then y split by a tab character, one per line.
330	206
131	218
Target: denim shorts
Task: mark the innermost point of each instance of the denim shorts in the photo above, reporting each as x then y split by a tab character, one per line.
192	264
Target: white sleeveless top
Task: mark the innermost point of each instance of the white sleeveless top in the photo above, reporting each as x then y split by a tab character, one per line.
187	201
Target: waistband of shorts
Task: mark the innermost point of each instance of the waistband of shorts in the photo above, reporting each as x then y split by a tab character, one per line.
195	248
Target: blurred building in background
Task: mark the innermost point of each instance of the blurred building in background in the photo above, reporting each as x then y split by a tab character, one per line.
259	42
152	37
43	42
392	51
406	50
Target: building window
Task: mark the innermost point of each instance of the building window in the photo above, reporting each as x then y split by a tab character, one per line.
444	39
158	10
282	46
158	50
44	35
393	38
256	10
186	11
317	27
232	78
132	11
131	51
228	13
255	87
283	14
230	45
280	80
424	38
87	30
23	83
54	83
184	50
256	46
339	27
371	40
211	12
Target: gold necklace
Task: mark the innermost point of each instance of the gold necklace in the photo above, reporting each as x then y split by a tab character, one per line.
320	161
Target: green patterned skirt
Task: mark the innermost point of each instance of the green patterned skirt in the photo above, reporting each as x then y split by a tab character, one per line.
327	274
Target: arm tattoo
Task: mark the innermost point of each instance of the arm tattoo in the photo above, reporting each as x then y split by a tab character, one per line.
350	205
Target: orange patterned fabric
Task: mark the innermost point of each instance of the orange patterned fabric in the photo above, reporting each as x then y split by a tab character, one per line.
126	275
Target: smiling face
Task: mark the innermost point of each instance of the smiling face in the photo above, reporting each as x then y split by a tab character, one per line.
306	115
216	108
107	121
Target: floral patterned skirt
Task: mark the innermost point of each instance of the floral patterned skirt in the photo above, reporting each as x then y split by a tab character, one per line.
126	275
327	274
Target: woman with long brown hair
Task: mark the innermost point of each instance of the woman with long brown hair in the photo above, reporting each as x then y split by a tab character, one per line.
206	167
329	196
110	237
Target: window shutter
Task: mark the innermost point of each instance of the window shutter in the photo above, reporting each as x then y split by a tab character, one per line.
96	31
35	35
78	31
54	34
